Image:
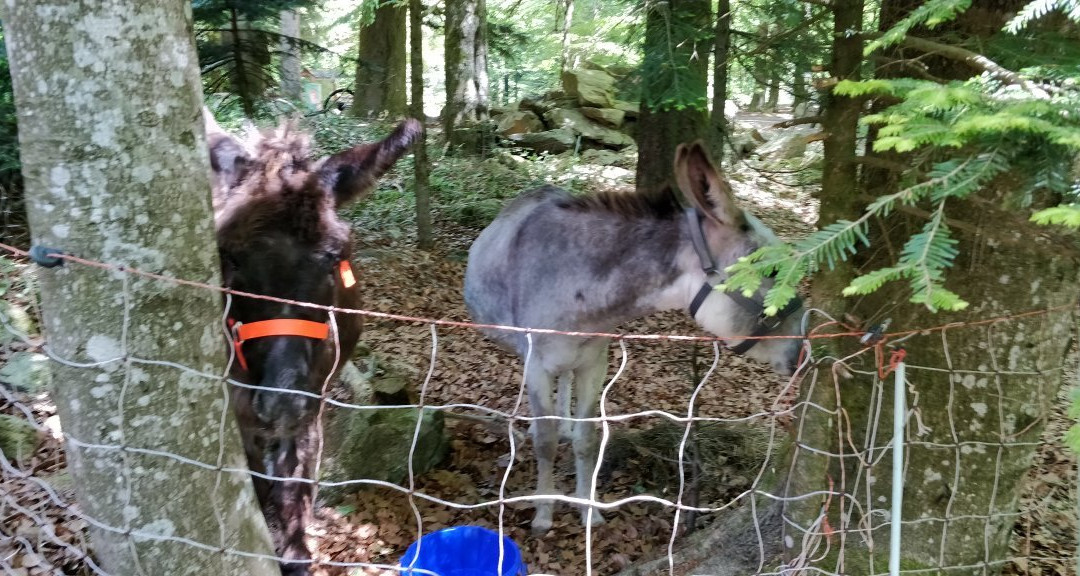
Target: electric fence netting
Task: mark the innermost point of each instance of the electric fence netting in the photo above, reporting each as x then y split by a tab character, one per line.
778	476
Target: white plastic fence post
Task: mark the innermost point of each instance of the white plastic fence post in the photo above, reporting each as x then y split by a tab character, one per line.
899	416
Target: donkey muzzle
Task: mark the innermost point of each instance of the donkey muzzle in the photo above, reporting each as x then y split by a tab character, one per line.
274	405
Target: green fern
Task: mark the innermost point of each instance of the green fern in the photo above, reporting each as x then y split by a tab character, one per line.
923	262
930	14
1039	8
1067	215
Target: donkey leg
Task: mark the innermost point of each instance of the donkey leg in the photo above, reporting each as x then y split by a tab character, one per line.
588	380
562	405
545	442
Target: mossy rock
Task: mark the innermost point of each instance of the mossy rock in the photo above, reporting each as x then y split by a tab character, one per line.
374	444
18	438
26	372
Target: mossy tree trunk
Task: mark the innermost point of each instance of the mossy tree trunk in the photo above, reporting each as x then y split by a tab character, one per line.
380	68
116	170
977	395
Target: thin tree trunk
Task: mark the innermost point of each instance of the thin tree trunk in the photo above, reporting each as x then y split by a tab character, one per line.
480	65
567	21
240	78
671	61
118	172
380	68
422	190
718	120
290	55
775	80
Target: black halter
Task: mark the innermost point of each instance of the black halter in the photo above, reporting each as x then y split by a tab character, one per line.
765	324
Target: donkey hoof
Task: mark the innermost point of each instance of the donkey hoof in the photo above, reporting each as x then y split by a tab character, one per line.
597	518
540	526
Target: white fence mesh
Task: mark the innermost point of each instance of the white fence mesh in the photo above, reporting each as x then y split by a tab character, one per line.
647	487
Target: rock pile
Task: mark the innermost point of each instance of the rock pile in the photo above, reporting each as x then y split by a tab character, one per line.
584	115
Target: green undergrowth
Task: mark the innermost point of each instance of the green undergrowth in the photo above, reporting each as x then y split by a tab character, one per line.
466	190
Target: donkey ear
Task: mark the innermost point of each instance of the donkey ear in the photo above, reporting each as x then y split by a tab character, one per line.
228	158
351	174
704	186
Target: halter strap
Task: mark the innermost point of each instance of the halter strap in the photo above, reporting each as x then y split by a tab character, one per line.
282	327
765	324
277	327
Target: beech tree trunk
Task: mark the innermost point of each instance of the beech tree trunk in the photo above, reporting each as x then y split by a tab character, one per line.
674	102
290	55
380	68
466	65
117	171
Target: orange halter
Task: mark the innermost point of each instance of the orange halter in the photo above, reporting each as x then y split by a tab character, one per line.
283	326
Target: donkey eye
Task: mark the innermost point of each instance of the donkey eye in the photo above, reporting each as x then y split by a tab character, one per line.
328	260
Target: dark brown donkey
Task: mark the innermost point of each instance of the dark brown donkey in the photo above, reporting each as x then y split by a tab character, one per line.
279	235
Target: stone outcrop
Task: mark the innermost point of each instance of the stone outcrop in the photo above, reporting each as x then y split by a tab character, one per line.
594	88
584	115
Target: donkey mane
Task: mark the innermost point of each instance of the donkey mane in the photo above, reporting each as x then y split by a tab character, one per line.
275	189
663	204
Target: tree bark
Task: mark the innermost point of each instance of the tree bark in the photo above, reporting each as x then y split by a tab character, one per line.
290	55
380	68
721	49
567	21
674	94
117	171
979	397
772	102
978	394
466	65
422	190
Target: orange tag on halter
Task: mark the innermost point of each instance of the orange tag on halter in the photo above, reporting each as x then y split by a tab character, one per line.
346	274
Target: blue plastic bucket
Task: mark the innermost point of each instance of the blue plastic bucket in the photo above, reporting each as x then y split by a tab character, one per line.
464	551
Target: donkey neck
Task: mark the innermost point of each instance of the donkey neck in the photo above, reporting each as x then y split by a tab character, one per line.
657	276
678	293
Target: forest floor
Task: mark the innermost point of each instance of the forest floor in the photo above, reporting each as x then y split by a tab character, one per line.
376	525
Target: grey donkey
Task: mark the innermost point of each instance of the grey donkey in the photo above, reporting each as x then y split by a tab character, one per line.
555	261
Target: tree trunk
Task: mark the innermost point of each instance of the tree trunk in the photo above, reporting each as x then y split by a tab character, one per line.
380	68
979	396
290	55
800	92
674	99
422	190
721	49
117	171
466	65
775	79
567	21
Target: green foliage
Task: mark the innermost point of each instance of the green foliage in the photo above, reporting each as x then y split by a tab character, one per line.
237	41
1039	8
931	14
673	72
963	135
13	228
1067	215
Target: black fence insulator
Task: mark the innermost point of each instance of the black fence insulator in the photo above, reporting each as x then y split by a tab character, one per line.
46	257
